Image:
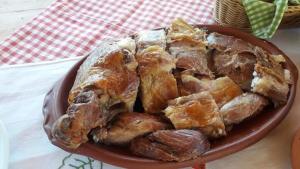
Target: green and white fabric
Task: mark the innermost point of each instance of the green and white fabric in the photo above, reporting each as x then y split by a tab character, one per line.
265	17
294	2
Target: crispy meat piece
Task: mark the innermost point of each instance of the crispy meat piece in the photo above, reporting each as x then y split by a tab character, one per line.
188	83
110	73
242	107
232	57
82	115
158	84
196	111
227	43
148	38
188	45
171	145
127	126
270	79
222	89
237	66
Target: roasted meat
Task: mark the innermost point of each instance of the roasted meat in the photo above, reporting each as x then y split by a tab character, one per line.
232	57
110	73
222	89
82	115
270	79
148	38
127	126
158	84
171	145
188	83
237	66
196	111
242	107
227	43
188	45
187	86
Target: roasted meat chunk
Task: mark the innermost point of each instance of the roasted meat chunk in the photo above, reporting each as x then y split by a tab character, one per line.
188	45
242	107
127	126
158	84
110	73
82	115
148	38
227	43
232	57
270	79
196	111
171	145
223	90
237	66
188	83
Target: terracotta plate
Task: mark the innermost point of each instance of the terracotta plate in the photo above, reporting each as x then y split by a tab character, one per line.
296	151
242	135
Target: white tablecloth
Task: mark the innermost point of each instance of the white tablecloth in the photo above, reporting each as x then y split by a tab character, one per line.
22	90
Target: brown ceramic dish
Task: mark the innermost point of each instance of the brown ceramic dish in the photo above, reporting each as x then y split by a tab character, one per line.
296	151
244	134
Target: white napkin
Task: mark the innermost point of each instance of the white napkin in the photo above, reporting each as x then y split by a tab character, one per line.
4	147
22	91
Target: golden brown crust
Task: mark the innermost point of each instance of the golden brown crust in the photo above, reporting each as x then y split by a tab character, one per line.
223	90
110	71
196	111
158	84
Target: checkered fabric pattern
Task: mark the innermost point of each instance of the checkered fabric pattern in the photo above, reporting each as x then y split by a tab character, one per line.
294	2
71	28
265	17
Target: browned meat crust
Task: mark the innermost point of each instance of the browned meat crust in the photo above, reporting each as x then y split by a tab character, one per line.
127	126
171	145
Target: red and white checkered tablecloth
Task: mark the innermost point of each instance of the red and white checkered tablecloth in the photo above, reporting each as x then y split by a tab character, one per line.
69	28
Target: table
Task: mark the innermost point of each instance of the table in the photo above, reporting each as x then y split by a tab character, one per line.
23	88
15	13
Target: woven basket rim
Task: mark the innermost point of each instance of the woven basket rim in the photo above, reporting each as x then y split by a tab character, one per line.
224	15
290	11
290	7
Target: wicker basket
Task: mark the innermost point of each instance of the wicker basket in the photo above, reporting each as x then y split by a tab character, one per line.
231	13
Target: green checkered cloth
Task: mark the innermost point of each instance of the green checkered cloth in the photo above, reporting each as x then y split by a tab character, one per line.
294	2
264	17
